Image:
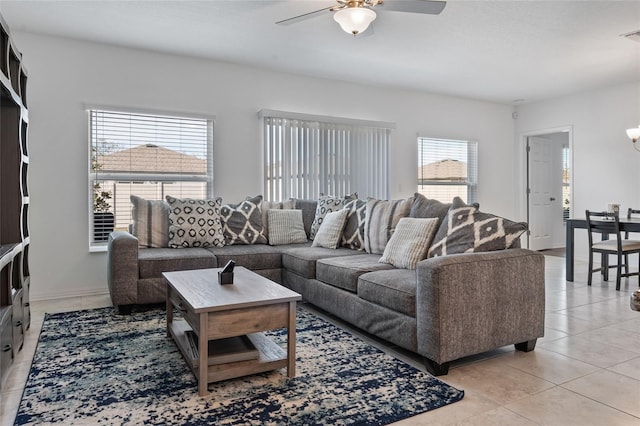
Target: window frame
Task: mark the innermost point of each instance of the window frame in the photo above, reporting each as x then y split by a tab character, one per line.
471	181
132	178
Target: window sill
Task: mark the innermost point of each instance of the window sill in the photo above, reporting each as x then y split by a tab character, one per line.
97	248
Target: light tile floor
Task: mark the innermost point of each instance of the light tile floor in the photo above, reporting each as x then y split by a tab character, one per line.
585	371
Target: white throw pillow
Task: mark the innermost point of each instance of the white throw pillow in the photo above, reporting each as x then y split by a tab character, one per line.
410	242
286	227
330	232
150	222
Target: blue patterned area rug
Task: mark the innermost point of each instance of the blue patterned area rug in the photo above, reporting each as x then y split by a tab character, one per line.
95	367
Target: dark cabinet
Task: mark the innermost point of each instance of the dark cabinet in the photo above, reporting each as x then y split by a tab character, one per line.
15	314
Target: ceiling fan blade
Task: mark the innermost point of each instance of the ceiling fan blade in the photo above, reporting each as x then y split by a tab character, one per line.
304	16
415	6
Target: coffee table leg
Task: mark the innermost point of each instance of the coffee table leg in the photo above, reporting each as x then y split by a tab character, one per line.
169	311
203	356
291	341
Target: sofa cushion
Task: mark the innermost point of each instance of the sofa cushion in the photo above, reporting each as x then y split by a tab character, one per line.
303	261
150	222
381	220
330	232
394	289
242	222
410	241
152	262
308	208
343	272
254	256
424	207
353	232
195	223
467	230
286	227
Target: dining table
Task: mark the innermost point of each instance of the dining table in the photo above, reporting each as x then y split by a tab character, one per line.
626	225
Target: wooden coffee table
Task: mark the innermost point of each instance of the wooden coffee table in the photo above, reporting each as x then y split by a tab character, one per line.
250	305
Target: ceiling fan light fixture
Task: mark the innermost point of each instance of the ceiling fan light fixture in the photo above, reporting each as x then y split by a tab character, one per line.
354	20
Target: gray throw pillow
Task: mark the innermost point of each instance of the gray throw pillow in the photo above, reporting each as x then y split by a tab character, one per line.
286	227
410	241
194	223
242	223
150	222
466	230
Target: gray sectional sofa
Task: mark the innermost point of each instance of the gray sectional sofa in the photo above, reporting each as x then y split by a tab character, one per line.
449	307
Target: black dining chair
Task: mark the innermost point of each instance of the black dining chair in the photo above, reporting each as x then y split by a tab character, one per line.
631	213
607	224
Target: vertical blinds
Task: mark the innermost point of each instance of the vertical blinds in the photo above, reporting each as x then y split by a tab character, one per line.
448	168
307	158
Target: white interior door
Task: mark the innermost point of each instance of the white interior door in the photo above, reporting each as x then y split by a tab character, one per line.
541	193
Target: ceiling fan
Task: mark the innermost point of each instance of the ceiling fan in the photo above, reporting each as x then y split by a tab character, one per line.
354	16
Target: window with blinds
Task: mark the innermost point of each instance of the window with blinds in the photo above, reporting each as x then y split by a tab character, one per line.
447	169
144	154
307	156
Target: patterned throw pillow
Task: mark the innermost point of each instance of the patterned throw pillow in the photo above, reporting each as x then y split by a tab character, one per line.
353	234
330	231
381	220
242	223
286	227
467	230
150	222
410	241
195	223
326	205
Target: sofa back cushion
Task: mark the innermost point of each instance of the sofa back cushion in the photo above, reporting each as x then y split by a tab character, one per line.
308	208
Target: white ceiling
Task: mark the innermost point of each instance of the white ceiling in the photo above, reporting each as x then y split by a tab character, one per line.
498	51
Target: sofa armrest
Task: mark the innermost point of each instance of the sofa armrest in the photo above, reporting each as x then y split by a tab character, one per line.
122	268
475	302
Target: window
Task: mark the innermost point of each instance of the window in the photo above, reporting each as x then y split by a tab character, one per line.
144	154
447	169
306	156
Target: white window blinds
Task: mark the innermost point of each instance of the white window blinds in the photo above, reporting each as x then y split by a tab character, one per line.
307	156
148	155
447	169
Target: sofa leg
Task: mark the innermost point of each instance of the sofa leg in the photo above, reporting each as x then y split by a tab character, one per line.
123	309
436	369
527	346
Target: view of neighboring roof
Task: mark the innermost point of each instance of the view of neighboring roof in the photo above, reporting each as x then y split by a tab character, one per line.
447	169
152	158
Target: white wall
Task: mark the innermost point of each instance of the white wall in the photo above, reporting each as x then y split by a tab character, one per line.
64	75
606	168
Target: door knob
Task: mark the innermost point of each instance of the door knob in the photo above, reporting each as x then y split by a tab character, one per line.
552	199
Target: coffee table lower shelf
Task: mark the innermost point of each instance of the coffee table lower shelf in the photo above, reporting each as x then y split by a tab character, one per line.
271	356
